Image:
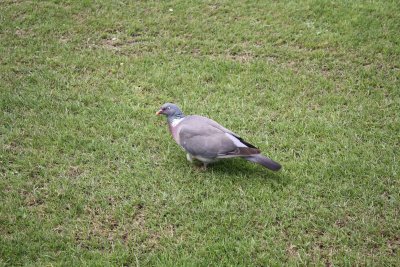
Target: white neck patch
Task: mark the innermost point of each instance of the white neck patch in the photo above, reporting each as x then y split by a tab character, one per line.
175	122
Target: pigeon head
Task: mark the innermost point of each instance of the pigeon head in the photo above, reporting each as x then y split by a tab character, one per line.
170	110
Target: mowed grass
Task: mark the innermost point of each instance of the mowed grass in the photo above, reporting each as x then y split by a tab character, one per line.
90	176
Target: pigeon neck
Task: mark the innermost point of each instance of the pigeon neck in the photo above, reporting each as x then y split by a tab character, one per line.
175	117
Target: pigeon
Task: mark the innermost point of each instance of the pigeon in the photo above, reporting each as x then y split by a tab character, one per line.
207	141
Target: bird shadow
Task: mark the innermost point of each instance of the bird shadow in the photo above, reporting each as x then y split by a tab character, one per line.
238	167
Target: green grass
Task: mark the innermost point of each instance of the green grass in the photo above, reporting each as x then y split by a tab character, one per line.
90	176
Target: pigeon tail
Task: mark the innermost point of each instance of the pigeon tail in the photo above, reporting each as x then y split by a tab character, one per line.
264	161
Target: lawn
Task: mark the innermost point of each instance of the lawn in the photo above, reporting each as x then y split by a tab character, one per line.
90	176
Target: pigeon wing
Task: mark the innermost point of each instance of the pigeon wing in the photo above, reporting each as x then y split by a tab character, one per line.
203	137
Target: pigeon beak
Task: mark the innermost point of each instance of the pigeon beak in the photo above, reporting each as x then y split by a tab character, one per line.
159	112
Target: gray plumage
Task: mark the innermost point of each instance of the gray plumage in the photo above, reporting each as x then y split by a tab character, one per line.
207	141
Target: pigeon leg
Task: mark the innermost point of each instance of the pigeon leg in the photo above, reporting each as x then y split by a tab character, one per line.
204	167
189	157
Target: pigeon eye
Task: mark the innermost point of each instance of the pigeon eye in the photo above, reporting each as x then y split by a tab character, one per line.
169	107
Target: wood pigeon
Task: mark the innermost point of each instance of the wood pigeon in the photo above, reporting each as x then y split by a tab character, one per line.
207	141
